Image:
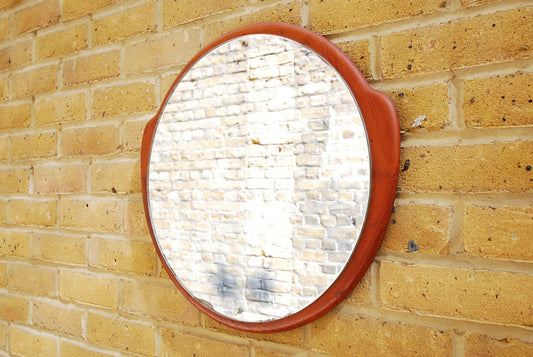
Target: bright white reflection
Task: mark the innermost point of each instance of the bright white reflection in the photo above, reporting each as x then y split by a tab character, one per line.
259	178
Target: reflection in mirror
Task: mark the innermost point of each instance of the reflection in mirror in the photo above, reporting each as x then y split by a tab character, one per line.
258	178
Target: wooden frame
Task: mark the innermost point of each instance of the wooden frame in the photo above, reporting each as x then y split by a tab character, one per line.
380	118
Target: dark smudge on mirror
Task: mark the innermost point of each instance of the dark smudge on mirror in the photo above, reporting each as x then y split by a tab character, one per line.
259	178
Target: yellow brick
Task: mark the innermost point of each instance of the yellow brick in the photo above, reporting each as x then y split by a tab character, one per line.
59	179
88	289
56	317
346	335
16	54
177	343
422	107
70	349
341	15
479	345
171	49
160	302
40	14
471	3
57	109
3	211
91	68
91	215
32	212
64	249
34	81
13	243
3	336
125	23
15	116
499	232
183	11
133	132
4	88
34	146
4	28
6	4
468	168
459	44
426	225
4	143
124	335
32	279
499	101
14	180
359	53
129	98
3	275
134	218
290	13
361	294
26	342
13	308
73	9
124	256
60	43
480	295
260	352
116	177
96	140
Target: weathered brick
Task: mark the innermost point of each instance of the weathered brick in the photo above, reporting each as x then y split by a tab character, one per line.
124	335
116	177
480	345
342	15
4	28
6	4
125	23
3	211
15	180
472	3
499	101
14	308
63	249
14	243
97	140
56	317
171	49
31	279
481	295
344	334
499	232
63	42
38	15
62	108
71	349
359	53
123	256
500	166
160	302
4	146
91	67
422	107
3	336
458	44
426	225
4	88
134	218
27	342
181	11
73	9
128	98
34	146
88	289
15	55
59	179
289	13
361	294
34	80
3	275
32	212
15	116
174	342
90	215
133	132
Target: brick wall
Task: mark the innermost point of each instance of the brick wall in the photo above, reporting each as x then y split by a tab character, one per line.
78	81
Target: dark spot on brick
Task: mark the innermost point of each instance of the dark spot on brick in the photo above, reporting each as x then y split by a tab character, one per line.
406	165
472	100
412	246
393	221
410	46
114	190
528	168
530	101
454	47
400	95
503	97
503	119
490	239
493	25
440	187
86	205
409	67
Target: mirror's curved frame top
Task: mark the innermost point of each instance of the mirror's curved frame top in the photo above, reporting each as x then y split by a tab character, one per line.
381	122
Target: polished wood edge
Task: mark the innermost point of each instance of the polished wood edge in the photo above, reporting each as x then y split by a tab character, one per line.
381	121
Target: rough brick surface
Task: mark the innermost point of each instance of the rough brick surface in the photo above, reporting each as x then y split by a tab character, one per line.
61	43
41	14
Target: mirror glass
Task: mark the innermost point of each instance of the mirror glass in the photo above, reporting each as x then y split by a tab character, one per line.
258	178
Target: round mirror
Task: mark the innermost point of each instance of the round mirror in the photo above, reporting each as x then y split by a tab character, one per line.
259	176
